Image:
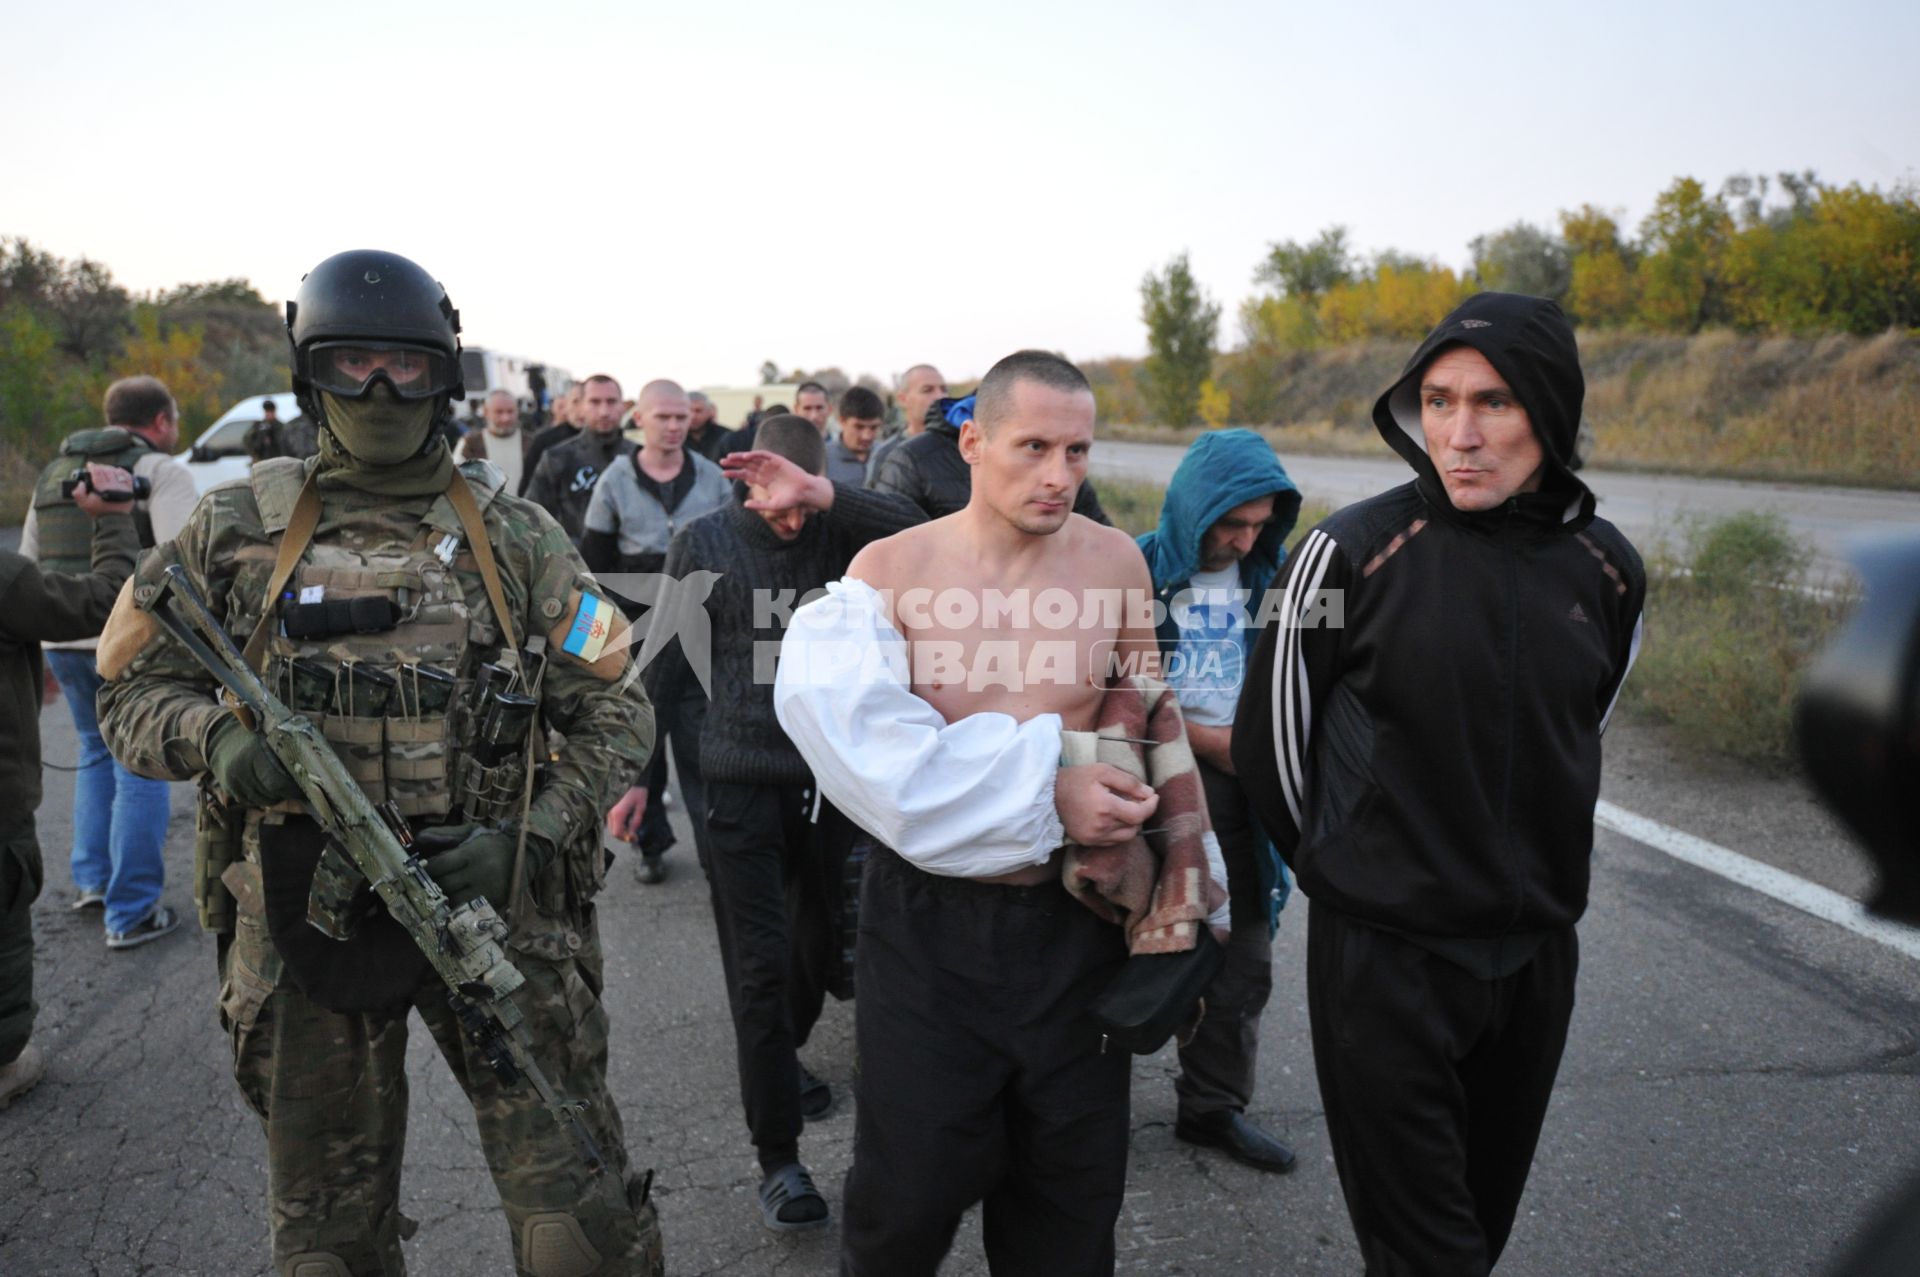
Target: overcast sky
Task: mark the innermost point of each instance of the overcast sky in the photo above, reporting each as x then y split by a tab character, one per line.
685	191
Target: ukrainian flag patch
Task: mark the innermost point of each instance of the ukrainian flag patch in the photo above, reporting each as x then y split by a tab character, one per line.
592	626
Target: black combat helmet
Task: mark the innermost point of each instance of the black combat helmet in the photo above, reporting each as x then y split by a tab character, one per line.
363	317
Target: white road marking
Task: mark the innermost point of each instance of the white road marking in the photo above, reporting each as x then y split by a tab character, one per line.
1808	897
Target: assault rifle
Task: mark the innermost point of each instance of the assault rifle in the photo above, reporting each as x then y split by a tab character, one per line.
462	944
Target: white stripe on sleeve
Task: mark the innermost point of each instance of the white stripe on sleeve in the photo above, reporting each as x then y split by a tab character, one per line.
1292	700
1633	654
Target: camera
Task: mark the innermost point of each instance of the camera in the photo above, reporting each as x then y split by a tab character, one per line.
78	479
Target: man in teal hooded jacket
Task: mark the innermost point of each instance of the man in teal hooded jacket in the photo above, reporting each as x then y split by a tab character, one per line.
1220	543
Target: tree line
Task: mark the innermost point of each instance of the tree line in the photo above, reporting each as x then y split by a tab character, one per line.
1789	254
67	330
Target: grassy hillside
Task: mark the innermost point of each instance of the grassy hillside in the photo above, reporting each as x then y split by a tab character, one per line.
1833	409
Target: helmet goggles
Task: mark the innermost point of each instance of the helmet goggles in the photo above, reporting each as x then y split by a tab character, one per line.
349	369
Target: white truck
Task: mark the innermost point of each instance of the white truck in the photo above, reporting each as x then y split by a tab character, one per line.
487	370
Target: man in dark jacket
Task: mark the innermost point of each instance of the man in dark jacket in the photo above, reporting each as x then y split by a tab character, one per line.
1420	731
36	607
562	429
705	434
774	848
1221	540
564	477
920	386
929	471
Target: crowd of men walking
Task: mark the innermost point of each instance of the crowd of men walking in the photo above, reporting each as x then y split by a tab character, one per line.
1405	711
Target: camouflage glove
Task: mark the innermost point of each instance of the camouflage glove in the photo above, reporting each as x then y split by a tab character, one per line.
245	768
475	860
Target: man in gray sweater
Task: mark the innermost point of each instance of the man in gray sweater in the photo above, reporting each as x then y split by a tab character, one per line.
638	503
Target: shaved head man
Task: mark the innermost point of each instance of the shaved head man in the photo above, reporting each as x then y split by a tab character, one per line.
920	386
1002	1095
637	505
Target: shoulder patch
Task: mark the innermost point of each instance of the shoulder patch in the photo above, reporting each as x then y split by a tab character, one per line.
593	632
129	629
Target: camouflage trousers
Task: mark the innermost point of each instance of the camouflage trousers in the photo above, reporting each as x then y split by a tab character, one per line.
331	1091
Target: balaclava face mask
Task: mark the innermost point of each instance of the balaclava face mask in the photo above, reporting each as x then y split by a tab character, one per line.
384	445
381	429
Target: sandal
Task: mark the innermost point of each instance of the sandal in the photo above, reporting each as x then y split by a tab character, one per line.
789	1203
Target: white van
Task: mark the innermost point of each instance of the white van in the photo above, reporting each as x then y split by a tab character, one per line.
220	453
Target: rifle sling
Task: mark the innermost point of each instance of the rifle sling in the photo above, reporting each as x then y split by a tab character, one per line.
293	543
461	496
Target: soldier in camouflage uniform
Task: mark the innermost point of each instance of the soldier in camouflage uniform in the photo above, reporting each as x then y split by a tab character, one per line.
391	584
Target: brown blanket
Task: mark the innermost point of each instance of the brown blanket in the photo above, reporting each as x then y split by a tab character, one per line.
1158	886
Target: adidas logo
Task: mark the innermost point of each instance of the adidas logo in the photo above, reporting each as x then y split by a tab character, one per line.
1577	613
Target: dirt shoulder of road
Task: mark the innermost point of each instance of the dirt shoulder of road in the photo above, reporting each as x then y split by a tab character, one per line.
1773	817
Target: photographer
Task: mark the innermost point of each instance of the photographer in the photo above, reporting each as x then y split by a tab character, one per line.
36	607
119	819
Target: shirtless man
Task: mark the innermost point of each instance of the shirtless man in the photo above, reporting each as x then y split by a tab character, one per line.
928	692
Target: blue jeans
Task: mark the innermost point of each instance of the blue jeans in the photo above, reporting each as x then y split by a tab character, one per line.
119	819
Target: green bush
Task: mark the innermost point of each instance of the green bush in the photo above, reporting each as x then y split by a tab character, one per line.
1732	620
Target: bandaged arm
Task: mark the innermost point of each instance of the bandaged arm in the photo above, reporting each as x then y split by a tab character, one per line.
969	799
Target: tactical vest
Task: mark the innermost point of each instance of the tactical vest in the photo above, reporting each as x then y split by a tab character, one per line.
419	758
65	531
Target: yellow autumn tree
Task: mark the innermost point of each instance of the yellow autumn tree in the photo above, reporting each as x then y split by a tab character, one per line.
1601	294
172	352
1215	404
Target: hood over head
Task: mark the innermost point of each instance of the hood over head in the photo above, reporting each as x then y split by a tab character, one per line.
1223	469
946	416
1531	345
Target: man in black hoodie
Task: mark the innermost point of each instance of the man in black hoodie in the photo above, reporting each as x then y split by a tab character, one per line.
1426	711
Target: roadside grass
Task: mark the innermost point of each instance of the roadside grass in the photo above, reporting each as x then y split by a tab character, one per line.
1832	409
1132	504
1733	617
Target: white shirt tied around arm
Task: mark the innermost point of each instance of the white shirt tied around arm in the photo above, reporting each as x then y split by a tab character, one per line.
966	800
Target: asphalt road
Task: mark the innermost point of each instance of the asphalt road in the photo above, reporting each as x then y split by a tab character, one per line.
1645	506
1742	1082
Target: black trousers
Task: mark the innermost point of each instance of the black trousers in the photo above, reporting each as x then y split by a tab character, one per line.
689	721
1217	1064
1435	1085
981	1078
20	881
768	869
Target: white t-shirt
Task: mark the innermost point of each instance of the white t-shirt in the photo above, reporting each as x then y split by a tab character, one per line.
1210	661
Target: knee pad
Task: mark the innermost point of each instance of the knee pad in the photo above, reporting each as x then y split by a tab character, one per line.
553	1244
314	1263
